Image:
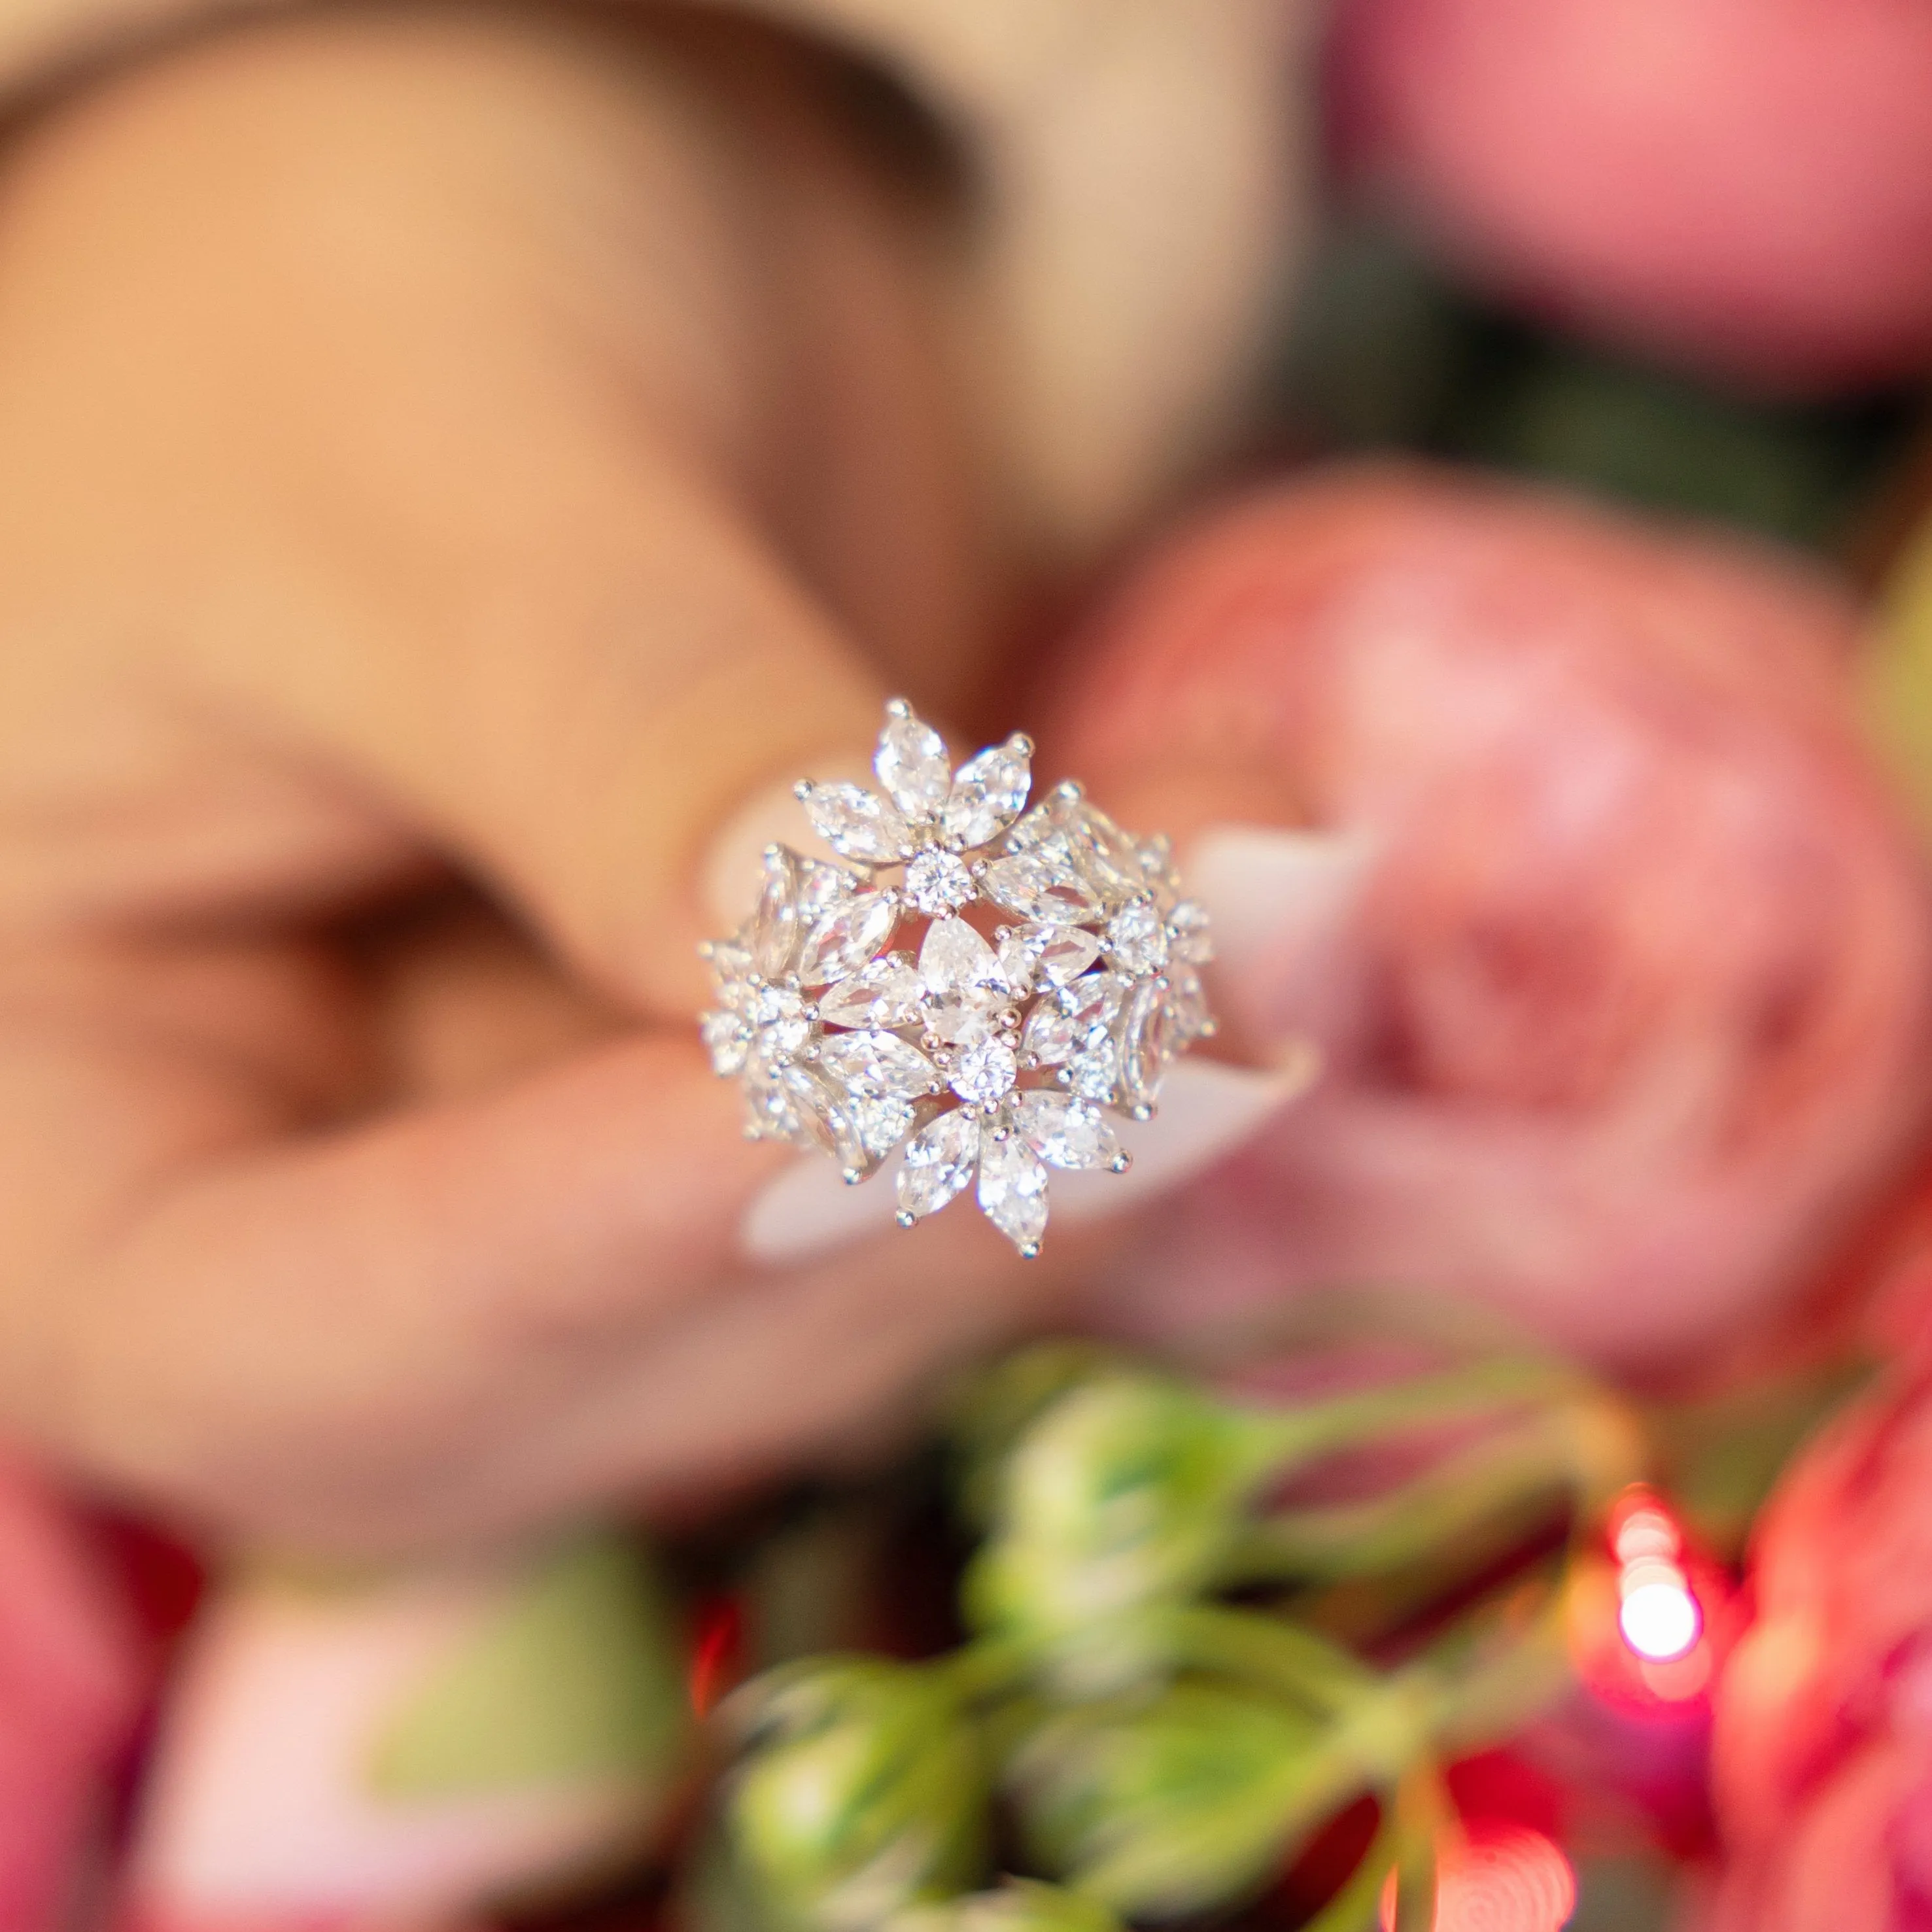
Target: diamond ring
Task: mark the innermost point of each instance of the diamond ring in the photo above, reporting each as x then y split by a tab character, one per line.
979	985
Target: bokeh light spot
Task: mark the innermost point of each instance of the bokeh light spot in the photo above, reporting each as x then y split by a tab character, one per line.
1661	1620
1500	1878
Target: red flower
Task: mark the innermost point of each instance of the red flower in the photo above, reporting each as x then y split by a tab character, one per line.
1824	1736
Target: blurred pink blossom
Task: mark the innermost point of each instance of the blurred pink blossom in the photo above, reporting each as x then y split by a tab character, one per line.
1630	1015
1746	184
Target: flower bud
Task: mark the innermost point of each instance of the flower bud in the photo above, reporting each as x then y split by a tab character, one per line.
1172	1803
1125	1494
863	1792
1020	1906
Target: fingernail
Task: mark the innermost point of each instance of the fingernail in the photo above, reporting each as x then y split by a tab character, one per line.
809	1210
1208	1109
1274	896
733	868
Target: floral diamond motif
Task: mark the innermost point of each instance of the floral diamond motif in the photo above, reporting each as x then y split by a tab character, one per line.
977	987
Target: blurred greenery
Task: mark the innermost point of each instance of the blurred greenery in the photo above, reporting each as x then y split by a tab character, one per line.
579	1677
1383	353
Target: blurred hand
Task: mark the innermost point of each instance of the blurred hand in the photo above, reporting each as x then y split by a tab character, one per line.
448	462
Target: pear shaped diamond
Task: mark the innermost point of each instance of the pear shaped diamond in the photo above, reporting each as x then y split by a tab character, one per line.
966	987
939	1161
1012	1191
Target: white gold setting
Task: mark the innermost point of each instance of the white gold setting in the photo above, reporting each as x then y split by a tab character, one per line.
980	988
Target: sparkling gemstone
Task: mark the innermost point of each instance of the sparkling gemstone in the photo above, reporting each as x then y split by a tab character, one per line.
884	994
877	1062
1012	1191
728	1039
846	936
1157	858
938	883
1049	1036
1042	882
1094	1071
1192	934
1189	1014
1064	1131
1137	938
1110	859
773	932
984	1073
1103	855
822	885
777	1015
825	1116
1146	1044
1054	953
856	824
989	793
728	960
769	1114
1076	1018
910	763
966	988
939	1161
1093	1000
883	1120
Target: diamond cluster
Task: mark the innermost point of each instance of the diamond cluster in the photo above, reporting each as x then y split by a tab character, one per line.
982	985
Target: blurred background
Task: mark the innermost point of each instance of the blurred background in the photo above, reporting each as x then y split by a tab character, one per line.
1498	1497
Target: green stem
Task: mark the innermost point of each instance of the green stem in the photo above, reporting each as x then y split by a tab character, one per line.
1284	1658
1280	1438
1505	1474
1586	1445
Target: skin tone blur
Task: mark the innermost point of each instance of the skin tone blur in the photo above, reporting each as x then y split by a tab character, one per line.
448	461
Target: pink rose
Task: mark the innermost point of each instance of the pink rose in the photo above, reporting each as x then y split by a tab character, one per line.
69	1683
1630	1015
1746	184
1824	1732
